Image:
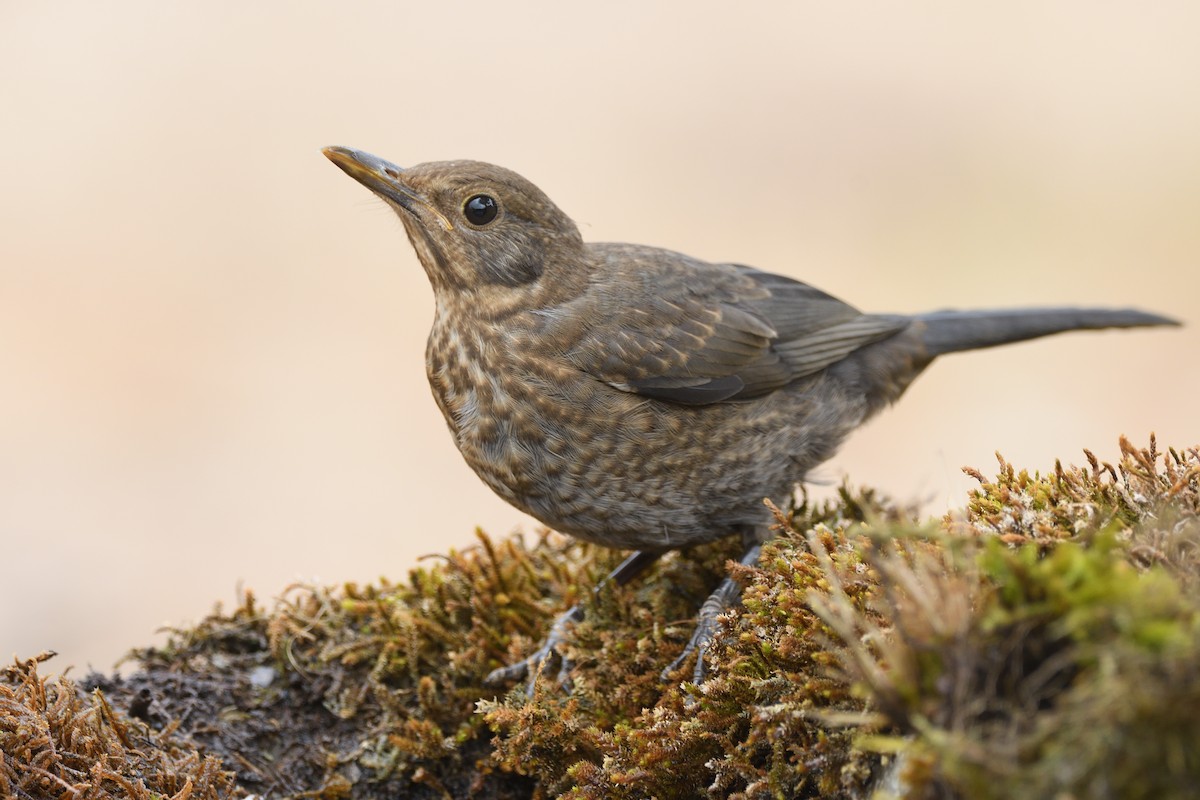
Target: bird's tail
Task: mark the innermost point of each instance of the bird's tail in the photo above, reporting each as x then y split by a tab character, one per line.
951	331
881	371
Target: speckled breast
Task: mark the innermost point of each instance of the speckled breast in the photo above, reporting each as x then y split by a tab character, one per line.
598	463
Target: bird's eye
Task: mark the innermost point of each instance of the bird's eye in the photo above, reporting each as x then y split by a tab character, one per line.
480	209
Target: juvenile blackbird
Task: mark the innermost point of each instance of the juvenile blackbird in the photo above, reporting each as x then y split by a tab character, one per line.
639	398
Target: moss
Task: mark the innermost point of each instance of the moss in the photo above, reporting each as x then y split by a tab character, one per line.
57	742
1059	659
753	729
1044	642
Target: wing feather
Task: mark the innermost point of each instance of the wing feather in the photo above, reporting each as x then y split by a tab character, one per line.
681	330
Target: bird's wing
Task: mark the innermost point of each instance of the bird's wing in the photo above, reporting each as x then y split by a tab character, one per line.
689	332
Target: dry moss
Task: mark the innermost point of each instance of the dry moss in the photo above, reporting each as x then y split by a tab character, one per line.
1045	642
55	742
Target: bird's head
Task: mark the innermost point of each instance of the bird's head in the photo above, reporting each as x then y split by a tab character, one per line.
480	231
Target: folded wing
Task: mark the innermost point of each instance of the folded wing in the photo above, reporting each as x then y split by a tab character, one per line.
694	333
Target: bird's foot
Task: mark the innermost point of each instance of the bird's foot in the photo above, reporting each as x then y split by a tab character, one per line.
627	570
721	600
718	603
533	665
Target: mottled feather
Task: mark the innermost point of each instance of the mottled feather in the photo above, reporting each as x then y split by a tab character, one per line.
695	333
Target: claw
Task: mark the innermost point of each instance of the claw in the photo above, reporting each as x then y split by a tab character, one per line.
706	626
533	665
720	601
633	565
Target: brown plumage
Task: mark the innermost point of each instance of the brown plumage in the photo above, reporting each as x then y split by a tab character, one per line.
636	397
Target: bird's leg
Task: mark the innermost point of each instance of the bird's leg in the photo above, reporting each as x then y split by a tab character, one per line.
627	570
720	601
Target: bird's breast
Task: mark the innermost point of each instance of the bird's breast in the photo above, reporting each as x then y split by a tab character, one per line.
550	439
595	462
497	397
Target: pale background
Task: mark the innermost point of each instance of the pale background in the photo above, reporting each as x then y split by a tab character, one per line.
211	340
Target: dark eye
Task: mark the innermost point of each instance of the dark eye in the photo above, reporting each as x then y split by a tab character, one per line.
480	209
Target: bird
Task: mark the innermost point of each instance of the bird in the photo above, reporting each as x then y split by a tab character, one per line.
639	398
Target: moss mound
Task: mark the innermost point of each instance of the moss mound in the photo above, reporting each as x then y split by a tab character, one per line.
1044	642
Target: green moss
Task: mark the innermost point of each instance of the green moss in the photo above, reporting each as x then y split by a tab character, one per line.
1064	663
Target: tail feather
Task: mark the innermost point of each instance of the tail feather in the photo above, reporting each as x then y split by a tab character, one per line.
881	371
951	331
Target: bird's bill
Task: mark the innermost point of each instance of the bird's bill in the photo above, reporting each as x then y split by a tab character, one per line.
381	177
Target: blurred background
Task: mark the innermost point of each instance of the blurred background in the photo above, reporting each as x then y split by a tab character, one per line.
212	341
